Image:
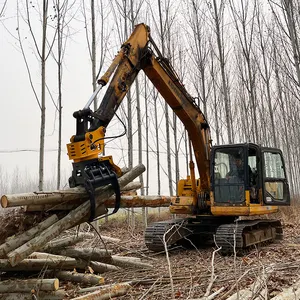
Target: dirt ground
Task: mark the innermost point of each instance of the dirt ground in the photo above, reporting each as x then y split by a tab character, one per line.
195	272
192	269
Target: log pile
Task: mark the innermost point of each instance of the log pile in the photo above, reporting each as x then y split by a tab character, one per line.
40	251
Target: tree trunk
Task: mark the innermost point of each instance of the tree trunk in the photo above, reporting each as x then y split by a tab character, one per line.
43	96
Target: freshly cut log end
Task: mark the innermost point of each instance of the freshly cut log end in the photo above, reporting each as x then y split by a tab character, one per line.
4	201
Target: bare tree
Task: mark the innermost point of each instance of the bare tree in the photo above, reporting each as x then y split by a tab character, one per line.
2	11
217	13
42	53
244	23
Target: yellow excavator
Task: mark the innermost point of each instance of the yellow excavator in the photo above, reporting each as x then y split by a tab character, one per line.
235	180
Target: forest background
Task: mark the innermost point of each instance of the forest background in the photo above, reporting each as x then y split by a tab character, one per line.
240	59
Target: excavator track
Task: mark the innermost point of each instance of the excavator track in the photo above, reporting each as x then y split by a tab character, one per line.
242	234
174	230
245	234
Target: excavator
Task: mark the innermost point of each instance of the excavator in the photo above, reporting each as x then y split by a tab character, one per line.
236	180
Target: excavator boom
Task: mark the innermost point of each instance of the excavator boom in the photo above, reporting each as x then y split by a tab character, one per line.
235	180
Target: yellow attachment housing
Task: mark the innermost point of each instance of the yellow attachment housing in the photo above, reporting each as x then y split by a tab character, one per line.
90	148
185	187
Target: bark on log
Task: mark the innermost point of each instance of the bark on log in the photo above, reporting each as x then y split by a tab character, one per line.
55	197
39	264
60	197
125	262
140	201
89	279
99	267
96	288
68	241
18	240
57	295
126	202
90	254
51	207
79	215
67	263
106	293
131	186
44	255
29	285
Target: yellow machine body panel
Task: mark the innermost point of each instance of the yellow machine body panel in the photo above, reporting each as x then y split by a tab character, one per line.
90	148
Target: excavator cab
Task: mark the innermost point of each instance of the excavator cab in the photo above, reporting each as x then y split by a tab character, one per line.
247	179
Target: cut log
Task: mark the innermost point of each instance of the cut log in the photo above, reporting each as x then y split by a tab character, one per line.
140	201
126	202
97	288
110	239
88	279
44	255
60	197
99	267
67	263
51	207
125	262
116	290
68	241
18	240
28	285
132	186
90	254
39	264
55	197
57	295
79	215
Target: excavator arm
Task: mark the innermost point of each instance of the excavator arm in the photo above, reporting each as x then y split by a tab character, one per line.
140	56
136	54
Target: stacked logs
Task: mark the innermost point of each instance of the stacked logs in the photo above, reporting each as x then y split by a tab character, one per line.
35	250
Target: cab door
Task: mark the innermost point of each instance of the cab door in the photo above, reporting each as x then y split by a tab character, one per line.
275	185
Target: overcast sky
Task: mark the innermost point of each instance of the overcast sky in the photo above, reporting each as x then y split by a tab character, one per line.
20	121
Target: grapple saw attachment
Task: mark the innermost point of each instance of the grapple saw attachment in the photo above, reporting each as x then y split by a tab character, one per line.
93	174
